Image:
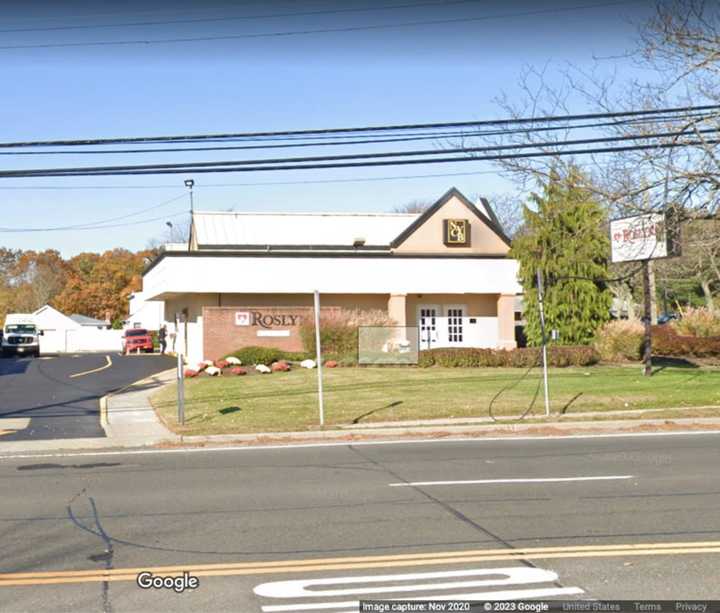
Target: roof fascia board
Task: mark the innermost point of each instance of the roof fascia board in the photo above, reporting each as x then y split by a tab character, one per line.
453	191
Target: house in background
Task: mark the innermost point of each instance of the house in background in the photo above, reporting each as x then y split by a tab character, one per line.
248	278
63	334
90	322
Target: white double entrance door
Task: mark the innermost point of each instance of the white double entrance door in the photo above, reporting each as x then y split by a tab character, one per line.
442	325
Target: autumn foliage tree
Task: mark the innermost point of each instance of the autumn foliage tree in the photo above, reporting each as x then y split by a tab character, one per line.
99	285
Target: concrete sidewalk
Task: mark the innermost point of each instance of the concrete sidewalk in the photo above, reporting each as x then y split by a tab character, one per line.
128	418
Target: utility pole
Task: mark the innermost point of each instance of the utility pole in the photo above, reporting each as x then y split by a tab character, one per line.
544	341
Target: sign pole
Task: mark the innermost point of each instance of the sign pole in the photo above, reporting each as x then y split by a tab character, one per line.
647	319
318	356
544	341
180	380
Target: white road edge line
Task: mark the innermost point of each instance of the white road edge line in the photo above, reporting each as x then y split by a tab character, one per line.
500	481
290	446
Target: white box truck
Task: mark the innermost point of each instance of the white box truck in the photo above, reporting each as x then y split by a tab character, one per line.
20	335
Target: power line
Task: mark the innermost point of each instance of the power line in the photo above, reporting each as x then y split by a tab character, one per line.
340	143
407	24
226	18
363	129
97	227
195	166
94	224
193	169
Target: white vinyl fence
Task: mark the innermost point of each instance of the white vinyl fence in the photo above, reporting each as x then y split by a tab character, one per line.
80	340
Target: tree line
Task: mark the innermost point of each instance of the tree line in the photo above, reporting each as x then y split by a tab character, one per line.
93	284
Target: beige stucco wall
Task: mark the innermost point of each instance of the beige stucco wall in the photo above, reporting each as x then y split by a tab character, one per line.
428	238
478	305
506	321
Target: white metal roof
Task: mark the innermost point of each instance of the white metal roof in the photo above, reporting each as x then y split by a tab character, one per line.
331	229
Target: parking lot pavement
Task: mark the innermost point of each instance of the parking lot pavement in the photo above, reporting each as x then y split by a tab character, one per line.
58	397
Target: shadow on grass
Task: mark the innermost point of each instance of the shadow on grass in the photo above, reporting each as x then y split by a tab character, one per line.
662	363
229	410
392	405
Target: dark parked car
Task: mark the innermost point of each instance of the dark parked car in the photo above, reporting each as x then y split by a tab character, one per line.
137	339
665	318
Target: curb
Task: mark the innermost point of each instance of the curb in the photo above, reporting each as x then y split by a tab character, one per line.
397	435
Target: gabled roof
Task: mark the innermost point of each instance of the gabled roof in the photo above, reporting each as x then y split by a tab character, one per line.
333	230
84	320
488	219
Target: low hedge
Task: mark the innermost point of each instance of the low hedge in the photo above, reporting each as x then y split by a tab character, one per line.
666	341
268	355
524	357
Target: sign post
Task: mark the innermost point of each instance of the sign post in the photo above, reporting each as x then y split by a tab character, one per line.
318	355
642	238
180	383
544	341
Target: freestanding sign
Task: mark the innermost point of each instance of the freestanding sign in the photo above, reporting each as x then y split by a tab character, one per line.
643	237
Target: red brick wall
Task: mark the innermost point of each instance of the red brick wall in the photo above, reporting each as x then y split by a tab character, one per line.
221	336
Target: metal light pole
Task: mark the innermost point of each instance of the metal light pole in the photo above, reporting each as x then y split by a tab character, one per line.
544	341
189	183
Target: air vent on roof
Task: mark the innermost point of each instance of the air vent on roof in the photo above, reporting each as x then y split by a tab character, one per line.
358	242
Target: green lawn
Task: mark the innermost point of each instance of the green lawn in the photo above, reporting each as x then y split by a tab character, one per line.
284	402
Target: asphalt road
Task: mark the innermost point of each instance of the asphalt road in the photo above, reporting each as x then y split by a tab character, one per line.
620	517
59	396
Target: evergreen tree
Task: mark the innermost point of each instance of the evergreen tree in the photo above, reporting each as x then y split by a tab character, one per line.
566	238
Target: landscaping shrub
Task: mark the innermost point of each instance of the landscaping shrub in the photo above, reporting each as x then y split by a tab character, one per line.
666	341
620	340
267	355
519	358
339	330
701	323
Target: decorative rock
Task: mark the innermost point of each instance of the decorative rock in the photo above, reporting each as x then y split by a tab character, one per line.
208	363
213	371
236	370
262	369
190	373
233	360
221	364
307	364
331	364
280	367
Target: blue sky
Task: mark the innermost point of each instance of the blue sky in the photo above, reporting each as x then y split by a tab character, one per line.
427	73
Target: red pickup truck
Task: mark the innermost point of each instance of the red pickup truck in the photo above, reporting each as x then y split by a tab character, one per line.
137	339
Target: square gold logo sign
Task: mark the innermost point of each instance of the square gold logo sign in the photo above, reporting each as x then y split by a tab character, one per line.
457	232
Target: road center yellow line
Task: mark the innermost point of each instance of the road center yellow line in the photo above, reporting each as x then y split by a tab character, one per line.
88	372
352	563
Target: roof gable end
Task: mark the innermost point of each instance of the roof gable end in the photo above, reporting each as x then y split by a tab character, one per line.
491	222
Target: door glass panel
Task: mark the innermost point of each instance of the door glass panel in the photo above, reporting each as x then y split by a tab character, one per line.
455	325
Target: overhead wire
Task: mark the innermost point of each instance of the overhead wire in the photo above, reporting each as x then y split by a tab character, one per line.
306	32
264	167
412	137
364	129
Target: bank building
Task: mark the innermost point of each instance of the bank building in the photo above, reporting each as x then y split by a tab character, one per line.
248	278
